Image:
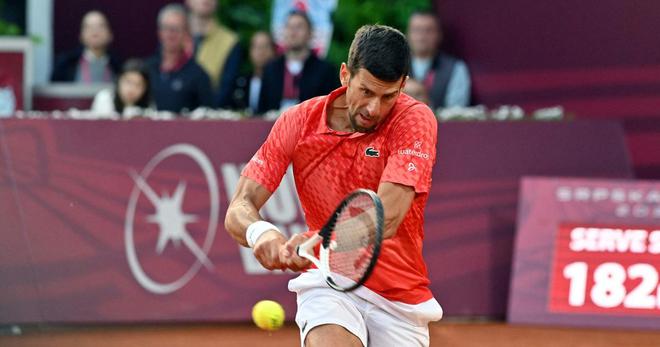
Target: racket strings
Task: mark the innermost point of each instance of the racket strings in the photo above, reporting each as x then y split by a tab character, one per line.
352	246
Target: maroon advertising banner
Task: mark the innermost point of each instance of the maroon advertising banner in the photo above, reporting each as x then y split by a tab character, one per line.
11	82
120	221
587	253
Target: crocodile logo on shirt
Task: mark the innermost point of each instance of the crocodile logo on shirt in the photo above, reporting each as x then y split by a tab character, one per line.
371	152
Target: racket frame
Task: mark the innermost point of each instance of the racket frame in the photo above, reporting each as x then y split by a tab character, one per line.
324	237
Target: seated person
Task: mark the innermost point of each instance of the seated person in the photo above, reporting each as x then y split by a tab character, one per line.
445	77
130	96
247	87
217	49
91	62
177	82
298	74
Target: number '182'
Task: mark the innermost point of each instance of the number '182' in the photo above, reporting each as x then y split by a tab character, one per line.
609	289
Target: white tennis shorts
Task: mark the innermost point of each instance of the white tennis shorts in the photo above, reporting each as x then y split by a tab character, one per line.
374	322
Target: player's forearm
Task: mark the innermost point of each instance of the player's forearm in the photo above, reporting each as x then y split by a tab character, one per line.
391	225
397	200
240	214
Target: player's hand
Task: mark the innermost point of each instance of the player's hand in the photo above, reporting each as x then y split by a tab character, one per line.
289	256
267	250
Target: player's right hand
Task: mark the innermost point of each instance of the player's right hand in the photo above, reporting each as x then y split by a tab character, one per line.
267	250
289	255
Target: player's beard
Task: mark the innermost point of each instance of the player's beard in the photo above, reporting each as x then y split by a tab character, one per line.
352	117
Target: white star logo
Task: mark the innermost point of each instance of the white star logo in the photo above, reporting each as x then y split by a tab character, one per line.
171	219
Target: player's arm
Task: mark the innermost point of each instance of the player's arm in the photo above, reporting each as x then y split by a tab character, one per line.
396	199
243	211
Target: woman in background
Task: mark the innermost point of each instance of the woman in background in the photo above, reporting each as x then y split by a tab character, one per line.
248	86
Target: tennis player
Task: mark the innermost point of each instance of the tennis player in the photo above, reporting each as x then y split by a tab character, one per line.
366	134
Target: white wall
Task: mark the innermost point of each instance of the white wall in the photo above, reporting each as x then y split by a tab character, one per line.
39	15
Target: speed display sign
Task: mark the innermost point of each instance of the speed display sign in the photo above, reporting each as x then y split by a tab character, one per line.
606	269
587	253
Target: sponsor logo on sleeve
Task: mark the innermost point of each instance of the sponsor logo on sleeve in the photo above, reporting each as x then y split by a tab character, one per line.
257	160
414	153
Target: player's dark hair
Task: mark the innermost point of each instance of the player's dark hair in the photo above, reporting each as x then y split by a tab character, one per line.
381	50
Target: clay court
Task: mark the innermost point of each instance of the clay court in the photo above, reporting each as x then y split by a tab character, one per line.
442	334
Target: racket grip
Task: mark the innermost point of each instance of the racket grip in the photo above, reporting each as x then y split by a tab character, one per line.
305	249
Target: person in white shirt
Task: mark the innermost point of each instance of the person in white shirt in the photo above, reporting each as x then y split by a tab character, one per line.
130	96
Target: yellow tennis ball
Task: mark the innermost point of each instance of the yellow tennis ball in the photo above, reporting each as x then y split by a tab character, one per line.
268	315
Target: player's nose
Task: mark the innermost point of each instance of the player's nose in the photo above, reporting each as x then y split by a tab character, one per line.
373	106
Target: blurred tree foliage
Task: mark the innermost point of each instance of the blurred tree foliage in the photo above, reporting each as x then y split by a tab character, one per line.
352	14
247	16
8	28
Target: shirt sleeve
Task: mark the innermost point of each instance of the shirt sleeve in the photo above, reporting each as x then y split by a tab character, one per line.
269	164
412	150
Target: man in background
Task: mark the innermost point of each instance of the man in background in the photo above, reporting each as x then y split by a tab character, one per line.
216	48
91	62
446	78
177	82
298	74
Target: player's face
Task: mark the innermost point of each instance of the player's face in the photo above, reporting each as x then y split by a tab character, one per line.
369	99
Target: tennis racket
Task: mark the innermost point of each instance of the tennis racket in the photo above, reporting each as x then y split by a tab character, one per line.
350	241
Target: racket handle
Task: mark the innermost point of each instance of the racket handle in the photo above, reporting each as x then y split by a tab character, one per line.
305	249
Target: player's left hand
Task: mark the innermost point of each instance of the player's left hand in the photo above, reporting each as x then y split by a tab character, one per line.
289	256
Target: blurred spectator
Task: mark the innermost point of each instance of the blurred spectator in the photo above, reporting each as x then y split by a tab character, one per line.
445	77
177	82
91	62
217	49
298	75
416	90
248	86
130	95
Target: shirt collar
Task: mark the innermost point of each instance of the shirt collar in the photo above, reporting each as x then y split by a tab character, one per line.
90	57
323	128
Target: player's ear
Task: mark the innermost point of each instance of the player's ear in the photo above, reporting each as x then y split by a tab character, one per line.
403	83
344	75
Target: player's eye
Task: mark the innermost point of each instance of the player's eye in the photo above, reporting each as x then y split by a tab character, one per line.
389	97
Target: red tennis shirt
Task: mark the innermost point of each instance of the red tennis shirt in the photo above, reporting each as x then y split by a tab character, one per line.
329	164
